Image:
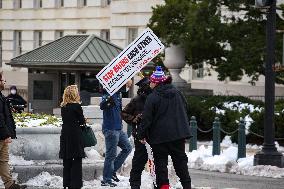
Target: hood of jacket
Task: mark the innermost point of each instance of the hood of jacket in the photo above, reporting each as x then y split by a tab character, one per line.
165	91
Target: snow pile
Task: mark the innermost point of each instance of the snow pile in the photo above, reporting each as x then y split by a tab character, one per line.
45	179
245	167
19	160
227	142
203	159
92	155
227	161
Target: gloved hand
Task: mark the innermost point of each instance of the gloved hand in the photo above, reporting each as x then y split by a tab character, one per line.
137	118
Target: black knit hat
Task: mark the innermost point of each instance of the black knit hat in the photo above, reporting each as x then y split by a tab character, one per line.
13	87
143	81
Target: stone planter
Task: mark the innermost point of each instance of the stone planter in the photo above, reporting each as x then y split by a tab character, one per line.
175	61
42	143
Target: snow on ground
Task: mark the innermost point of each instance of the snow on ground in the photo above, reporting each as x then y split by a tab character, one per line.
250	147
227	161
45	179
198	159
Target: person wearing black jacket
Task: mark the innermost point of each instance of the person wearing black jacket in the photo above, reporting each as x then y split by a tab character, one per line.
131	114
71	139
7	132
16	101
165	125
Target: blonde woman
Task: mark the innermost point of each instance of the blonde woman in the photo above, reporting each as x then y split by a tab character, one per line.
71	139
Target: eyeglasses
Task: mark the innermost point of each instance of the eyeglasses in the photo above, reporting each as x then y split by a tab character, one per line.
3	81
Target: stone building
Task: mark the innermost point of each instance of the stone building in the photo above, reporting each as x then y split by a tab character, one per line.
28	24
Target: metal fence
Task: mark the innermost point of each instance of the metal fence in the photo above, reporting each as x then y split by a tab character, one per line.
217	129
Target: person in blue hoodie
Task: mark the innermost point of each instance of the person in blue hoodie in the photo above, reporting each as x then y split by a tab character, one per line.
114	136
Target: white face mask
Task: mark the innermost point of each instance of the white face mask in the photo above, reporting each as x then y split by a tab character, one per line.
13	91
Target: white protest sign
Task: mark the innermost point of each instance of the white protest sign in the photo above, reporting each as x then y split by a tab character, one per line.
130	61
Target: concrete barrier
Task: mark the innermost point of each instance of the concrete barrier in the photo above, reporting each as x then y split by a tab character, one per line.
42	143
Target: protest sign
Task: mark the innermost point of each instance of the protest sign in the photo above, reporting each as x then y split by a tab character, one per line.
130	61
151	163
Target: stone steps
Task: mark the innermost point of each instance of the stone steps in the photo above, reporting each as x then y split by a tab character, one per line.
91	171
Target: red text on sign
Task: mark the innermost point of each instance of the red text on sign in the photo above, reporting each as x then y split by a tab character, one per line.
108	75
121	64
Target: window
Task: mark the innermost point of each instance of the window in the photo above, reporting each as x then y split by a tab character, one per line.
59	3
105	34
67	79
37	39
82	31
0	48
17	4
105	3
59	34
37	3
82	3
17	43
89	87
132	34
43	90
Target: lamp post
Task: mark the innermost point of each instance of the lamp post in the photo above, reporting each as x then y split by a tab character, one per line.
269	154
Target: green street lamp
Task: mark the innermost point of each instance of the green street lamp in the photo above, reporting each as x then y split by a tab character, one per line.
269	154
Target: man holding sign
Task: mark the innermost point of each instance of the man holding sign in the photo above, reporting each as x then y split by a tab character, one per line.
114	136
113	76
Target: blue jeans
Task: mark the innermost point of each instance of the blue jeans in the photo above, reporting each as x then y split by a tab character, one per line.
114	138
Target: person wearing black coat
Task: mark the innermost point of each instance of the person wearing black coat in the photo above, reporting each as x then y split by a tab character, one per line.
131	114
7	132
71	139
165	125
16	101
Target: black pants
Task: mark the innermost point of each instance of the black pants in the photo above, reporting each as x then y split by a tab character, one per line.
72	173
139	160
176	149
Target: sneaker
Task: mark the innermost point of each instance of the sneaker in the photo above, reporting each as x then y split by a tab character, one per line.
111	184
115	178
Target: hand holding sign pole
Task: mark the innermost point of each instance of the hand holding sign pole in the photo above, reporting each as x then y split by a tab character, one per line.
130	61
